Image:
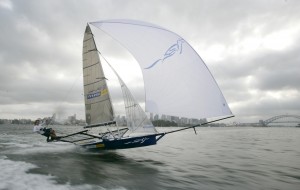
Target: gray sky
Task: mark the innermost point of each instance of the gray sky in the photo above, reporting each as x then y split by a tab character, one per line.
252	48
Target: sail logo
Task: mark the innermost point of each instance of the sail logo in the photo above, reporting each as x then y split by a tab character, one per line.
93	95
100	92
177	47
141	141
104	91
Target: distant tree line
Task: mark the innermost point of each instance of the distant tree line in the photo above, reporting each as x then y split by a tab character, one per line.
30	122
164	123
15	121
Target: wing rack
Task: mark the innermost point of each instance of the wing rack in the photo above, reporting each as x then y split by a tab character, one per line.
116	134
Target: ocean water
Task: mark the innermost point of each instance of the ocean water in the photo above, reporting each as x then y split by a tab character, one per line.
216	158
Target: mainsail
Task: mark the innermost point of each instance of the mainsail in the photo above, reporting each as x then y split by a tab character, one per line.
98	106
177	81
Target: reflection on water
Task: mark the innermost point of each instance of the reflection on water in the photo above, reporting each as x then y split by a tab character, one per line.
216	158
106	169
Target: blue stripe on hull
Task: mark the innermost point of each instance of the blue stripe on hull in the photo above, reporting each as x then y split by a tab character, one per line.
124	143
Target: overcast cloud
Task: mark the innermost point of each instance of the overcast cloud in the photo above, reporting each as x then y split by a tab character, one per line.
252	48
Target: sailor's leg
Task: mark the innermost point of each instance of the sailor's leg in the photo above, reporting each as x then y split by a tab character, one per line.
53	135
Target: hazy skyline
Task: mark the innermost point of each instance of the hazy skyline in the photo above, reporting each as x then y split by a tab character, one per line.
251	47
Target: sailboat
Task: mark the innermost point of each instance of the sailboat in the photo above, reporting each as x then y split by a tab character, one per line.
176	81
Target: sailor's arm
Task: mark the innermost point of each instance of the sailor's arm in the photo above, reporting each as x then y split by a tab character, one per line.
39	129
43	122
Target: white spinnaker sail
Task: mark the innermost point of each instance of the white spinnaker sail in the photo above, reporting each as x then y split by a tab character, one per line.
98	107
177	81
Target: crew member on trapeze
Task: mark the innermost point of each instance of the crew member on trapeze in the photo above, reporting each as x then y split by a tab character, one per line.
48	132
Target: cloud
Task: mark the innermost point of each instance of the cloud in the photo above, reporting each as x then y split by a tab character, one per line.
251	48
6	4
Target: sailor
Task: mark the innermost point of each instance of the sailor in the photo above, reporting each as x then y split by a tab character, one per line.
48	132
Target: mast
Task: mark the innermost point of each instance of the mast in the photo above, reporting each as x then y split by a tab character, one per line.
98	106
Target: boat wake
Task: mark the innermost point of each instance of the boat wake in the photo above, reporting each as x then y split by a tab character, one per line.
14	175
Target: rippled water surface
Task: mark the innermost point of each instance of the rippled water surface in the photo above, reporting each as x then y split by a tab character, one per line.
215	158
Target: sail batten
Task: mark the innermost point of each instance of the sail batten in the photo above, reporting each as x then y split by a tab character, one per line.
91	65
92	83
97	102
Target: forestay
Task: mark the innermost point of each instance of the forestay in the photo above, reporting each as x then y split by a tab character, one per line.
177	81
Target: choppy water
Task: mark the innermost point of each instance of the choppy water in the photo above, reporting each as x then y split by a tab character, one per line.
216	158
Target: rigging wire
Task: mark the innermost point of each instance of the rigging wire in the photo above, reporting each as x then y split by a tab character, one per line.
70	89
134	112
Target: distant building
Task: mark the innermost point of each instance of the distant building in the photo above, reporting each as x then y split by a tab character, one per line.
183	120
202	121
5	121
194	121
72	119
151	116
175	119
168	118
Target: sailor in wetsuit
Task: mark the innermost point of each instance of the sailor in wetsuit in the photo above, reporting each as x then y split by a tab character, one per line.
38	128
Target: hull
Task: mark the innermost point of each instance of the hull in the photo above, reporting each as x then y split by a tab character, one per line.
124	143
